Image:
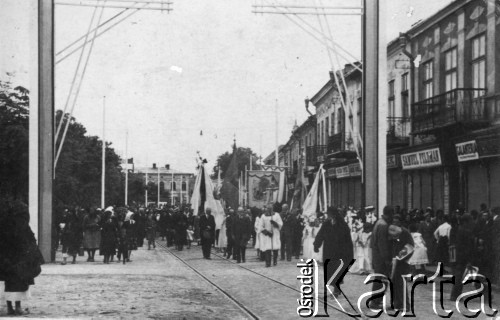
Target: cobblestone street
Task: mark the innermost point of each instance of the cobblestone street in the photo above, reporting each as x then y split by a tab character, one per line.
156	284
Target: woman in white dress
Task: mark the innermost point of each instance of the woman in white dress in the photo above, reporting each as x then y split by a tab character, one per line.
419	258
364	252
257	237
222	241
356	228
307	239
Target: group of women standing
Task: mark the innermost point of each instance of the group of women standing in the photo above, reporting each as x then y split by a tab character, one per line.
113	233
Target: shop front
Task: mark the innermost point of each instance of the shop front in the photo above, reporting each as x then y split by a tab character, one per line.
479	170
425	180
345	185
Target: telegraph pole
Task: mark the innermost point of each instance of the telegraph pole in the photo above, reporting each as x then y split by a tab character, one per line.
41	154
374	112
103	178
126	168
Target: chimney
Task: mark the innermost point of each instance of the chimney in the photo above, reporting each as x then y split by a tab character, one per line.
167	166
154	165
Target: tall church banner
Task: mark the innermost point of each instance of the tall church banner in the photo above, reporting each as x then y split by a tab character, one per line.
263	187
278	196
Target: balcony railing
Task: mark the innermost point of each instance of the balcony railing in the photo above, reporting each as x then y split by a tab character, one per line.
456	106
315	155
398	130
340	142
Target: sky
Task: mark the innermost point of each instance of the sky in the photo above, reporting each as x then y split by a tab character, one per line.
195	78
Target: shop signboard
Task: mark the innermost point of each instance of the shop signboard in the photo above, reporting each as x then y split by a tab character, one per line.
391	161
467	151
342	172
354	170
421	159
330	173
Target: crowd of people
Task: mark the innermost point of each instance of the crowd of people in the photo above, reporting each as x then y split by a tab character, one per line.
396	243
120	231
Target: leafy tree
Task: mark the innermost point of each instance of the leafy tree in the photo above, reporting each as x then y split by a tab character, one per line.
14	142
242	160
79	169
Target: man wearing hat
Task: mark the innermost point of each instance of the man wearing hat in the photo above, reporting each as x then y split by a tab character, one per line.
207	229
241	232
335	237
381	251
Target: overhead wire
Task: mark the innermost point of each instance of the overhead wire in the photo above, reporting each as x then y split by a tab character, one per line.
78	89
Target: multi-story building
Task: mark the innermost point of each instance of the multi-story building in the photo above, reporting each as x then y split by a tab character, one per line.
452	161
178	183
338	134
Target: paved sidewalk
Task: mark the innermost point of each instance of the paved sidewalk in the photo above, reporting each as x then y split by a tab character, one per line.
154	285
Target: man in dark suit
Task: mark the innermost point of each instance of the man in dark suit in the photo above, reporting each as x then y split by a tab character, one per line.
240	233
381	250
207	230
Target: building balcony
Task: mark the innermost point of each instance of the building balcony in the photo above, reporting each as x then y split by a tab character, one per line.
398	131
465	107
342	145
315	155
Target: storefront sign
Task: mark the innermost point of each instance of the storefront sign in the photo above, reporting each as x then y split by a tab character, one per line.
421	159
330	173
354	170
391	161
342	172
467	151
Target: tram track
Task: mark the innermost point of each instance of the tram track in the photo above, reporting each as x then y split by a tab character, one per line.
244	308
240	305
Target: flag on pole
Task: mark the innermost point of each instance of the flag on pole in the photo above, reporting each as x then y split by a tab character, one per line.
315	196
230	190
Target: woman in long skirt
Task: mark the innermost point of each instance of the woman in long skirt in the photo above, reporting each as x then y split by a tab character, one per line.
91	234
109	235
222	242
71	236
20	259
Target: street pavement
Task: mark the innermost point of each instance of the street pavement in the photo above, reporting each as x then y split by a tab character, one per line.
157	285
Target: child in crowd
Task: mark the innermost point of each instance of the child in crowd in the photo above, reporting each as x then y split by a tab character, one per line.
419	258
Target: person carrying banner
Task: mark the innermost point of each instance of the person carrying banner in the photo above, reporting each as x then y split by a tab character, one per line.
207	229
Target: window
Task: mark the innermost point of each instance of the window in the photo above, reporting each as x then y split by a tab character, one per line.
184	186
327	126
360	124
405	105
322	133
428	79
391	99
173	186
318	140
332	122
479	63
450	58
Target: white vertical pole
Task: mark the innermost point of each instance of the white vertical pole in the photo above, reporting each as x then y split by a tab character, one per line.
158	202
126	168
246	185
103	178
146	193
251	162
172	193
180	192
33	119
277	147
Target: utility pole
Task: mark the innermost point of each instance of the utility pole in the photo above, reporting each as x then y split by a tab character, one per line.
158	202
103	178
126	168
41	125
276	162
374	110
172	190
146	192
